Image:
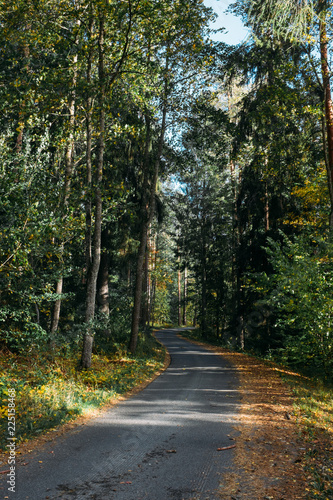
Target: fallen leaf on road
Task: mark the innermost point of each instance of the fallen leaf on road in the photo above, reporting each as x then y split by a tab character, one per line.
171	451
4	472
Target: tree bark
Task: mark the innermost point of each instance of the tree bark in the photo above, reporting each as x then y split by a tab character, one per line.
203	319
56	312
328	113
148	214
203	322
153	260
69	161
179	292
195	316
96	255
218	314
88	230
145	288
185	297
266	209
103	277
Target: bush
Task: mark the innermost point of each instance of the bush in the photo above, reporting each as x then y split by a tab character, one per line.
300	296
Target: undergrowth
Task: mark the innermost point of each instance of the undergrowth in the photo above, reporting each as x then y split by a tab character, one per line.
313	407
51	390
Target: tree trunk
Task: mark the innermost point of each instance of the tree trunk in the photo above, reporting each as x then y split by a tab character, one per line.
145	288
148	214
235	231
56	313
96	255
179	292
185	297
203	321
153	265
67	189
328	113
88	230
195	316
204	302
138	289
266	209
69	161
103	276
240	319
149	280
218	314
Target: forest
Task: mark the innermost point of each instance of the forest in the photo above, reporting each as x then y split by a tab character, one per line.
151	176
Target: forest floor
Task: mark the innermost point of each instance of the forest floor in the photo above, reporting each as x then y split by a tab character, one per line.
285	447
51	395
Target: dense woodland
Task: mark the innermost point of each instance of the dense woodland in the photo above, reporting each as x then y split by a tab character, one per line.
151	176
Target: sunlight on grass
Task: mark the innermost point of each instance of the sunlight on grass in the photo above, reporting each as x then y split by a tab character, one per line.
313	407
286	371
49	393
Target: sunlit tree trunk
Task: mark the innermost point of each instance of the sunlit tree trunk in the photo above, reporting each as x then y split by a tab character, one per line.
96	254
103	276
185	297
153	263
145	288
147	211
328	144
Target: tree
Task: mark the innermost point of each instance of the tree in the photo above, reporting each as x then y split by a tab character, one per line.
180	57
203	210
300	23
110	65
300	292
277	150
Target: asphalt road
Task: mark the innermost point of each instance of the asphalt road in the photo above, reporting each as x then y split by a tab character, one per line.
160	444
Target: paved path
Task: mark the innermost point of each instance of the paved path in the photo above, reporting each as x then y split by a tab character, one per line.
160	444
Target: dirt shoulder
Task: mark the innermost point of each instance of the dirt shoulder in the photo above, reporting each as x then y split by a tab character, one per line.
269	452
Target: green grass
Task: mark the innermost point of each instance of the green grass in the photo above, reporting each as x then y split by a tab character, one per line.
51	391
313	407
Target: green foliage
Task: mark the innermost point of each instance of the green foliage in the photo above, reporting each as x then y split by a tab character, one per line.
50	392
202	207
49	92
299	295
313	407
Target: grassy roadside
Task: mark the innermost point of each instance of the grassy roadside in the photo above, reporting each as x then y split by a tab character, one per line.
51	391
313	409
287	419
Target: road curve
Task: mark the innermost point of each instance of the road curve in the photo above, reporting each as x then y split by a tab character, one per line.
160	444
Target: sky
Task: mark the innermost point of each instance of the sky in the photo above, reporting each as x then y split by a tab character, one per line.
235	31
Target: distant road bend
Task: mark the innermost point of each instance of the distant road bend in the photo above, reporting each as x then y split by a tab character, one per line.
160	444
